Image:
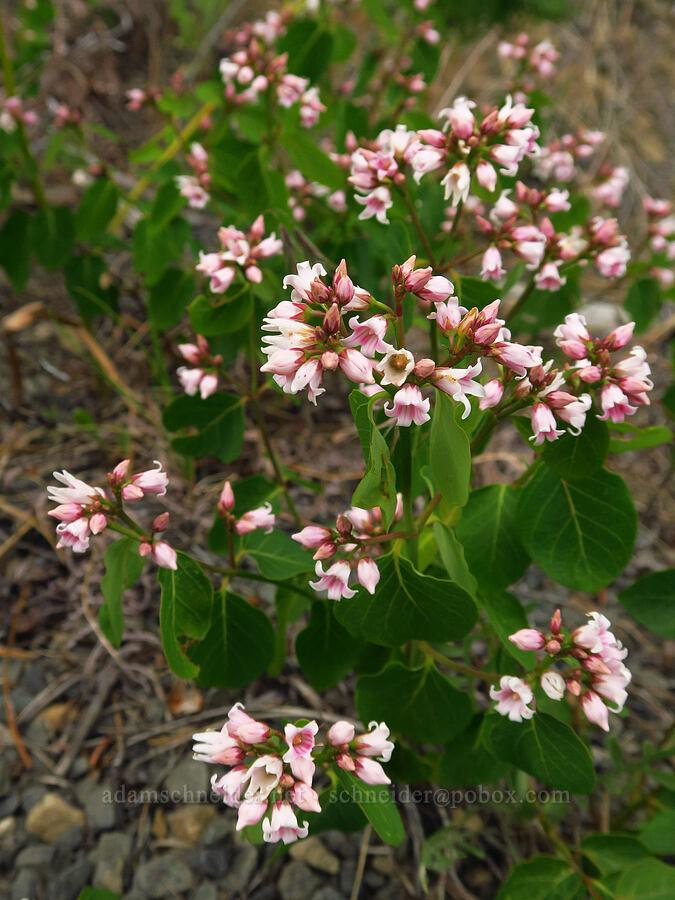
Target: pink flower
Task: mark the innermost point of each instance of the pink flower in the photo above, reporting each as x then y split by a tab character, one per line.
543	424
491	266
250	813
572	337
494	391
457	183
517	357
217	747
549	278
618	338
572	412
305	797
369	771
340	733
437	289
262	517
447	315
244	728
557	200
263	777
226	501
409	406
369	336
376	203
152	481
459	383
229	786
300	742
612	262
553	685
375	742
356	366
312	536
512	697
528	639
396	366
282	825
595	635
76	490
164	555
193	192
595	710
301	283
334	580
614	403
460	117
486	175
529	244
504	208
368	574
74	535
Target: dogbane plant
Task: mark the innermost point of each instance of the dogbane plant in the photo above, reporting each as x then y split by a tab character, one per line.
431	270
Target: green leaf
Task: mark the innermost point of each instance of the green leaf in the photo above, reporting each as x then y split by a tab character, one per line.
581	533
309	158
449	453
53	236
184	612
643	302
543	747
219	421
96	209
407	606
276	554
151	250
506	615
649	879
578	456
466	761
420	703
87	283
89	893
650	601
123	566
223	317
168	203
338	813
325	650
237	647
378	485
309	46
638	438
612	852
169	297
488	530
476	292
542	878
658	835
452	556
376	803
15	248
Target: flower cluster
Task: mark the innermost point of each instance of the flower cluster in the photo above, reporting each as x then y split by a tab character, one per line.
661	226
355	536
255	68
623	386
12	112
529	61
305	192
559	158
84	510
241	251
261	517
203	375
272	773
195	187
593	671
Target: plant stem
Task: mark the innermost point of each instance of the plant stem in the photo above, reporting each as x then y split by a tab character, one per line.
414	218
235	572
517	306
457	666
405	439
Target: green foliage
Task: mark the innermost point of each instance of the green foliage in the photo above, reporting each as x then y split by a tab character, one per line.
123	566
377	805
542	878
449	453
184	613
218	421
650	601
325	649
378	485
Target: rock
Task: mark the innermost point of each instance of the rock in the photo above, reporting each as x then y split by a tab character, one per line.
51	816
213	862
383	863
56	716
7	758
243	866
188	822
9	805
24	885
7	828
188	782
112	853
70	881
20	698
99	809
33	678
347	875
163	876
35	856
38	732
79	768
160	829
32	795
328	893
298	882
313	852
67	843
217	832
205	892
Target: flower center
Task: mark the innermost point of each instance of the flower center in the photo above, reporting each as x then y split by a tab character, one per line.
398	361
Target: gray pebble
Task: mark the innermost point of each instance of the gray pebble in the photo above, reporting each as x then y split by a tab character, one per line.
212	862
34	856
189	781
101	813
162	876
205	891
112	853
69	882
24	885
243	865
67	843
298	882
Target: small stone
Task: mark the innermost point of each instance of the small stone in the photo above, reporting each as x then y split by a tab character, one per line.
7	827
20	698
347	875
161	877
70	881
188	782
313	852
67	843
160	829
32	795
220	829
205	892
9	805
112	853
188	822
51	816
243	865
213	862
7	758
24	885
100	811
33	678
383	863
35	856
56	716
328	893
298	882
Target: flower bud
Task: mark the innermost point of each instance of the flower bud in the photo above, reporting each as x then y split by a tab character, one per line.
341	733
424	367
131	492
342	284
286	781
553	647
120	473
226	502
161	522
527	639
573	686
97	523
553	685
556	622
329	360
343	526
144	548
345	762
332	319
325	551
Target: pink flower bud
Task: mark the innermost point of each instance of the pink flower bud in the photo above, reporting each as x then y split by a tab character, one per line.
573	686
486	175
226	502
424	367
494	391
305	797
556	622
368	574
341	733
345	761
528	639
332	319
120	472
620	336
131	492
97	523
312	536
66	512
325	551
164	555
553	647
343	525
161	522
144	548
329	360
